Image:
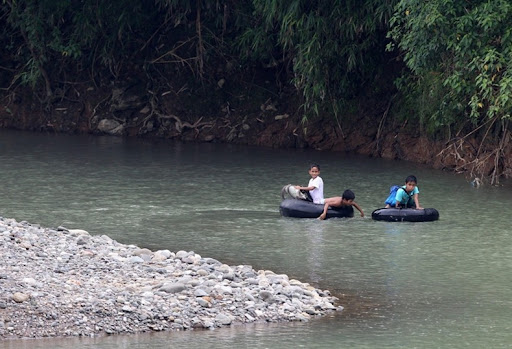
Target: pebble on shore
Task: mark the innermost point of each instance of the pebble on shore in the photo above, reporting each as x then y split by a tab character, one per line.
65	282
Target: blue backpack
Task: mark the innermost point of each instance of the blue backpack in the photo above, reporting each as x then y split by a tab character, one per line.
391	200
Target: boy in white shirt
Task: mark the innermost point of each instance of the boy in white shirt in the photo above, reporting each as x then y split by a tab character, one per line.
315	187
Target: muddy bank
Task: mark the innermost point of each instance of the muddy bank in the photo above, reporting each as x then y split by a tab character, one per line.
249	115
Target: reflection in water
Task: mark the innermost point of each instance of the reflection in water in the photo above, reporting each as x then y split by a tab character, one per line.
403	285
315	257
315	260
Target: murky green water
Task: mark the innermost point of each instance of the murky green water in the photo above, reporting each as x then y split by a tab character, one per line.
405	285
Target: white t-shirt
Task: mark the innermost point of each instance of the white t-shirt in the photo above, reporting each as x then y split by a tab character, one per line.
318	193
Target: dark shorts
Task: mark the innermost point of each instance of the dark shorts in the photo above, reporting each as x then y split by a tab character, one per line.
410	204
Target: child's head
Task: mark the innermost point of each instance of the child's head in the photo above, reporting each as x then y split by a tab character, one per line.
314	170
410	183
348	196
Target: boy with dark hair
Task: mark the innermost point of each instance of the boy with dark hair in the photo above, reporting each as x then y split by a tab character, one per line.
406	196
346	199
315	188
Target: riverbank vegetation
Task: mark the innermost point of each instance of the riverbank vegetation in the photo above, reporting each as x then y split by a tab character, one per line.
437	69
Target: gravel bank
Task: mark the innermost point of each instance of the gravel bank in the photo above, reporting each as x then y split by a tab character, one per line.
65	282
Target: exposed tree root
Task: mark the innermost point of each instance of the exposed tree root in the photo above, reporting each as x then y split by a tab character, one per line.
479	163
179	124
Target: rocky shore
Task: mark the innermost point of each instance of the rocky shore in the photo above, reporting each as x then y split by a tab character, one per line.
65	282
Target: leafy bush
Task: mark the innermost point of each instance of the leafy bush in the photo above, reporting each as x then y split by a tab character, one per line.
467	47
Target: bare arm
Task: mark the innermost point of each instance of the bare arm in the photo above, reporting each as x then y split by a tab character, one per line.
358	208
417	202
324	213
334	202
298	187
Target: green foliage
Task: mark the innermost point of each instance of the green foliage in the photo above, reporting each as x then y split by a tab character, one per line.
467	46
458	52
334	47
209	29
50	35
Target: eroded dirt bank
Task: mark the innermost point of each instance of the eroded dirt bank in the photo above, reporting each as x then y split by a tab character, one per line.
249	115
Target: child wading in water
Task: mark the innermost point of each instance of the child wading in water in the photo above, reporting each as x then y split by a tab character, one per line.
315	187
406	196
346	199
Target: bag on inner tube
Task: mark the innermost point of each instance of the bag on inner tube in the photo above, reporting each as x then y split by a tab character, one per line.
391	200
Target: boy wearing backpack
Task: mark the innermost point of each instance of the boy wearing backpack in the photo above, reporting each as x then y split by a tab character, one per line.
405	196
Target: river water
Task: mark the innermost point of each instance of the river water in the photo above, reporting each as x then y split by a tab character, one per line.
404	285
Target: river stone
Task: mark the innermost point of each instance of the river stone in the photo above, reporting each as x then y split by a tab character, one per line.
211	261
275	279
303	317
225	268
158	257
110	126
146	257
87	253
141	251
288	307
147	294
29	281
106	239
83	240
127	309
19	297
229	276
161	255
182	254
135	259
188	260
202	272
78	232
264	283
224	290
328	306
204	303
310	311
223	319
294	282
308	293
200	293
26	245
207	323
175	287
